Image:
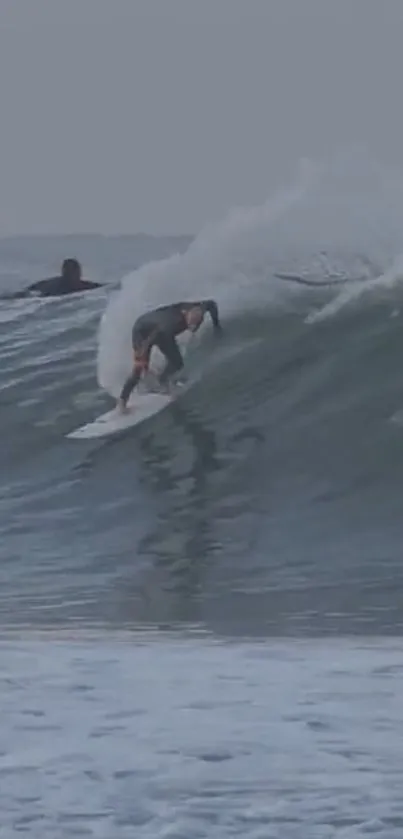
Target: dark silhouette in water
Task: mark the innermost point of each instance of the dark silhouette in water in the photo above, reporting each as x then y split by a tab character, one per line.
69	282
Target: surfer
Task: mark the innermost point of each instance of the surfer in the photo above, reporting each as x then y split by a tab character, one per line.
159	328
68	282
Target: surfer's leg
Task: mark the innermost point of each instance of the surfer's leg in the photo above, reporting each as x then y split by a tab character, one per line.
141	357
130	384
169	348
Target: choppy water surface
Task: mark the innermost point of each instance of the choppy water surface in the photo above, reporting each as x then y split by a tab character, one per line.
122	736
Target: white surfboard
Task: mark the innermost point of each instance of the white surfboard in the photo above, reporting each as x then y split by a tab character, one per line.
141	406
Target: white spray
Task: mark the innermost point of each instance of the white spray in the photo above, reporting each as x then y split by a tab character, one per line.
343	216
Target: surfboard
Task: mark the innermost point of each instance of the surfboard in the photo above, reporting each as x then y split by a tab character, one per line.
141	406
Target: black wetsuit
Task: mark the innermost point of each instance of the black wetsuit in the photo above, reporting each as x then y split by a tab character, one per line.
159	328
59	286
53	287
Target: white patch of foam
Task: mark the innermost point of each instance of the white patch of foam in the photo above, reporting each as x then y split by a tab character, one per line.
133	736
386	280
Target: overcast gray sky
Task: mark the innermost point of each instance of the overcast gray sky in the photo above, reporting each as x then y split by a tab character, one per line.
159	115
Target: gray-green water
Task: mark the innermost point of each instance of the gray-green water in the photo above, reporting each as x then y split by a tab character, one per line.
266	500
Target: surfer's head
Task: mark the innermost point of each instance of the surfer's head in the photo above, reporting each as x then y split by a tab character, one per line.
71	272
194	317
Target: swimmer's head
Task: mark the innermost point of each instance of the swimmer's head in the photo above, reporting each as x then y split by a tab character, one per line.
71	271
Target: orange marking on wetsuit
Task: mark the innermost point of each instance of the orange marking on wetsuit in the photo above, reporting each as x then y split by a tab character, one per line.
141	363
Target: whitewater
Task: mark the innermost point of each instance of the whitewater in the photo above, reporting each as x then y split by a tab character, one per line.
339	221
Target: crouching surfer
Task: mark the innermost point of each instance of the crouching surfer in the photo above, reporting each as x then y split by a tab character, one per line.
159	328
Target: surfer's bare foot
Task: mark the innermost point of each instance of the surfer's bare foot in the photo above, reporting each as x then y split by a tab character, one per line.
121	407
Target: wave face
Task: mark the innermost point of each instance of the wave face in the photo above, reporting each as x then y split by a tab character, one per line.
267	499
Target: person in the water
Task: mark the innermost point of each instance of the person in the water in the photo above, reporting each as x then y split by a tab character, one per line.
159	328
69	282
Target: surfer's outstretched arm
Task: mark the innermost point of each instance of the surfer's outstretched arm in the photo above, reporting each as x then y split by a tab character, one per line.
211	307
17	295
86	285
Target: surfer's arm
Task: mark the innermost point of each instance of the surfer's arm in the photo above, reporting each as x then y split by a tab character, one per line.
211	307
45	288
18	295
86	285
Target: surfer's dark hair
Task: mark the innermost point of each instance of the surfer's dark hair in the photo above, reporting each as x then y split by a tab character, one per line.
71	265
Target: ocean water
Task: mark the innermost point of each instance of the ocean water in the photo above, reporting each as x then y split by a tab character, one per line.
116	736
201	620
